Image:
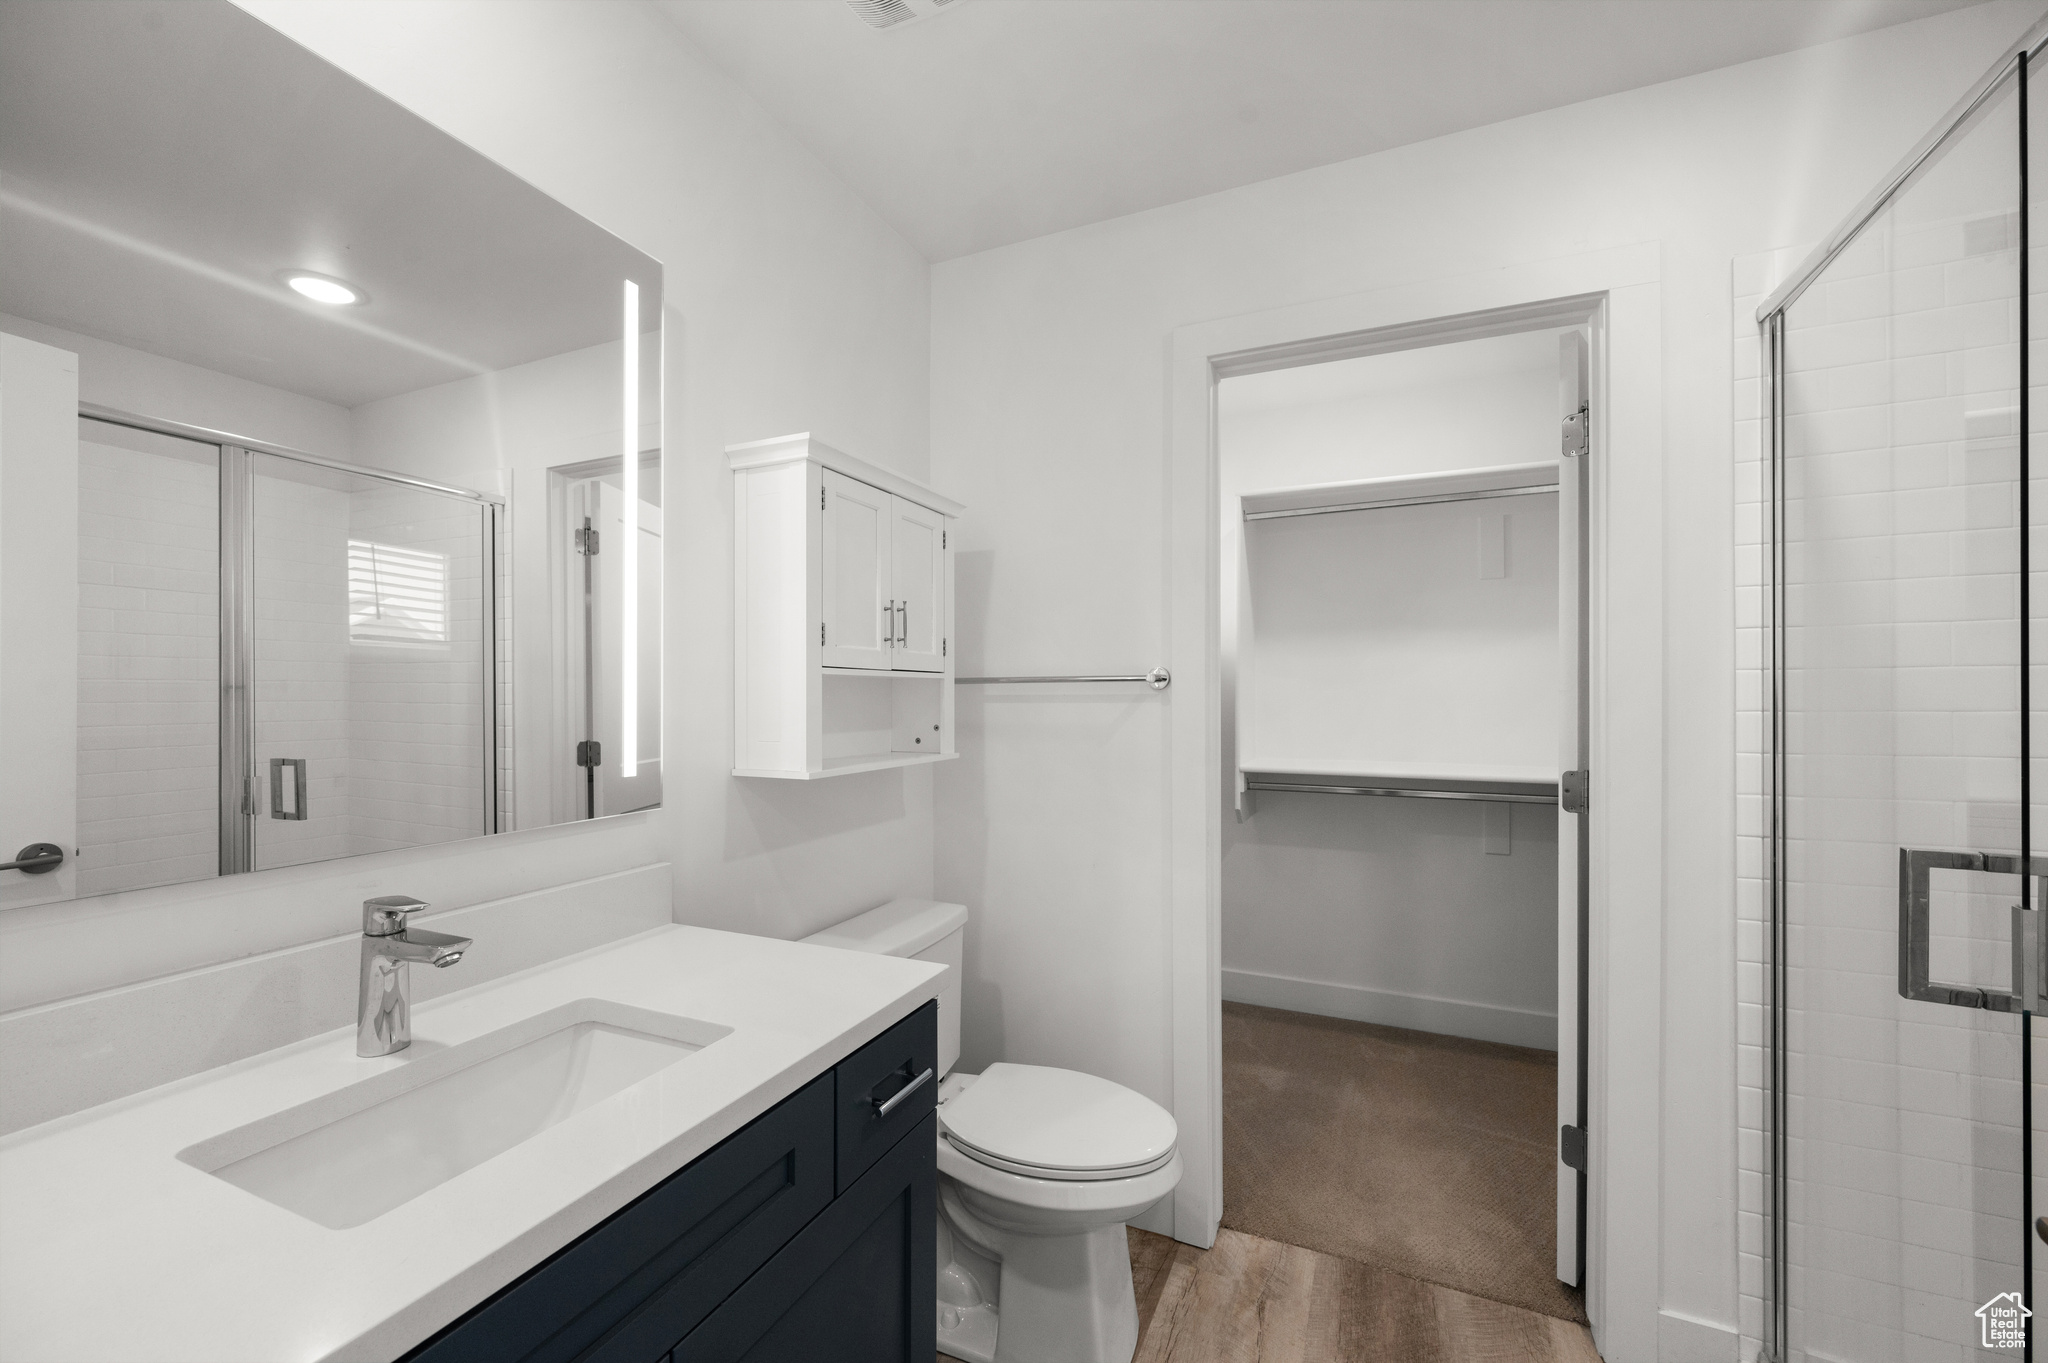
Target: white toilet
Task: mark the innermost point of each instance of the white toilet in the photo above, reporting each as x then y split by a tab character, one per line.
1039	1168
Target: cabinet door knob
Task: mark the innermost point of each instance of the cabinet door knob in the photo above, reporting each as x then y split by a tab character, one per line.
889	622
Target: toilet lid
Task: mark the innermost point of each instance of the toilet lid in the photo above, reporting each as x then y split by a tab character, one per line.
1031	1118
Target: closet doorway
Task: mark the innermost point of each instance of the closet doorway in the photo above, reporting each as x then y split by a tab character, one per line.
1402	635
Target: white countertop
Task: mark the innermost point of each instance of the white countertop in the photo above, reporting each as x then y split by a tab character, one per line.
113	1251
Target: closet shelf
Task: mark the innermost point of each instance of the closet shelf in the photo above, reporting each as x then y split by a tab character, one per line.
848	766
1503	784
1418	489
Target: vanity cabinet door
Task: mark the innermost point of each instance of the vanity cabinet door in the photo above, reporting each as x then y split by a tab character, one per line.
860	618
855	1287
917	571
639	1282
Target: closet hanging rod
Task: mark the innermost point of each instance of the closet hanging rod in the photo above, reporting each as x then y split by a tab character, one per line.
1158	678
1408	792
1390	502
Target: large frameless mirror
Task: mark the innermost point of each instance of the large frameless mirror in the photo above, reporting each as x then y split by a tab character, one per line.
330	482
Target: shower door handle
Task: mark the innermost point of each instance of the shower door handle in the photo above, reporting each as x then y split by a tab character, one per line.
277	766
35	859
2029	932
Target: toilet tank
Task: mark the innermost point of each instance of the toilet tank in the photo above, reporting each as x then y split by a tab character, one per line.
923	930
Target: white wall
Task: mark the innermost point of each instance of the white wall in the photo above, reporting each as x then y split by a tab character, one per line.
790	306
1049	419
136	381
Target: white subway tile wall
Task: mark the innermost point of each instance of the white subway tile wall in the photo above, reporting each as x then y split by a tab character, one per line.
416	710
1901	605
148	660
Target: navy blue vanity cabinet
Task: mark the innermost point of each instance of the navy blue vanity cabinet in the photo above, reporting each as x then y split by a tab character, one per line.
810	1234
857	1285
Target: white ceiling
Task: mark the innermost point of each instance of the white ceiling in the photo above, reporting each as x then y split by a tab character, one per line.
162	160
999	120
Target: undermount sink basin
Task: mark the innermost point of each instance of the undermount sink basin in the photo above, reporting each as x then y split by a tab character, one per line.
348	1157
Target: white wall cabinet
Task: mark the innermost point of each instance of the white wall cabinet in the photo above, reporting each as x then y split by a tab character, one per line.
843	614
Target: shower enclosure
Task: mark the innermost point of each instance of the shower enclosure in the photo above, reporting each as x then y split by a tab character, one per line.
1905	872
311	651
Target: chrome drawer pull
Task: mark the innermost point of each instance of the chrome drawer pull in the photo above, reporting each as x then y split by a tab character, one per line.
883	1107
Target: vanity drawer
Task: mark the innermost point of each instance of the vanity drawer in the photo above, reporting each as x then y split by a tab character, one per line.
636	1284
873	1078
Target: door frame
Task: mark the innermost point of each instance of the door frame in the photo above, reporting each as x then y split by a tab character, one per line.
1617	292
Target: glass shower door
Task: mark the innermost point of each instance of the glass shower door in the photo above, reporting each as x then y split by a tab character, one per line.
371	632
1900	839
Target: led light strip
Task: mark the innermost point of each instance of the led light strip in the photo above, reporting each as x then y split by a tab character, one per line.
629	633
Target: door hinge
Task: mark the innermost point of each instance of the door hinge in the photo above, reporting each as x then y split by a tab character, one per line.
942	538
1575	433
1571	1147
821	498
821	633
586	538
1573	790
590	753
943	644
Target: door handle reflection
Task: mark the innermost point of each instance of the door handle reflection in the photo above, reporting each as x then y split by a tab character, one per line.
277	766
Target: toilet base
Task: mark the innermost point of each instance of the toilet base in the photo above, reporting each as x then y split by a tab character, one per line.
1056	1298
968	1333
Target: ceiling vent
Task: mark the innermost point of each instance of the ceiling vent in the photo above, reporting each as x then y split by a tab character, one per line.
895	13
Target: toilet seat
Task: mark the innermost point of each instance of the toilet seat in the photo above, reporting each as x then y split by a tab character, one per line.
1046	1123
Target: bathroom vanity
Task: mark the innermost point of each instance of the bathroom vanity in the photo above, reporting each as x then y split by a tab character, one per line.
687	1145
809	1234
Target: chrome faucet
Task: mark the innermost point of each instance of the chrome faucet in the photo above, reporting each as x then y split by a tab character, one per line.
384	996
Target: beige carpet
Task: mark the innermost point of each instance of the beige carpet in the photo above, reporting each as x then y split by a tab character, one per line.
1428	1155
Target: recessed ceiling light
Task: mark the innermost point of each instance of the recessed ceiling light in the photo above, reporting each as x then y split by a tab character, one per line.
322	288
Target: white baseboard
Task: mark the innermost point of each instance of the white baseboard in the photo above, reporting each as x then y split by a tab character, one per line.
1422	1013
1688	1339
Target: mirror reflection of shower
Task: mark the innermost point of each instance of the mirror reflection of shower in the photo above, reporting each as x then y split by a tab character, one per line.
346	620
610	633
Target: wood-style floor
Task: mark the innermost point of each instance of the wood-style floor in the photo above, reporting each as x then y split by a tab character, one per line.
1249	1300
